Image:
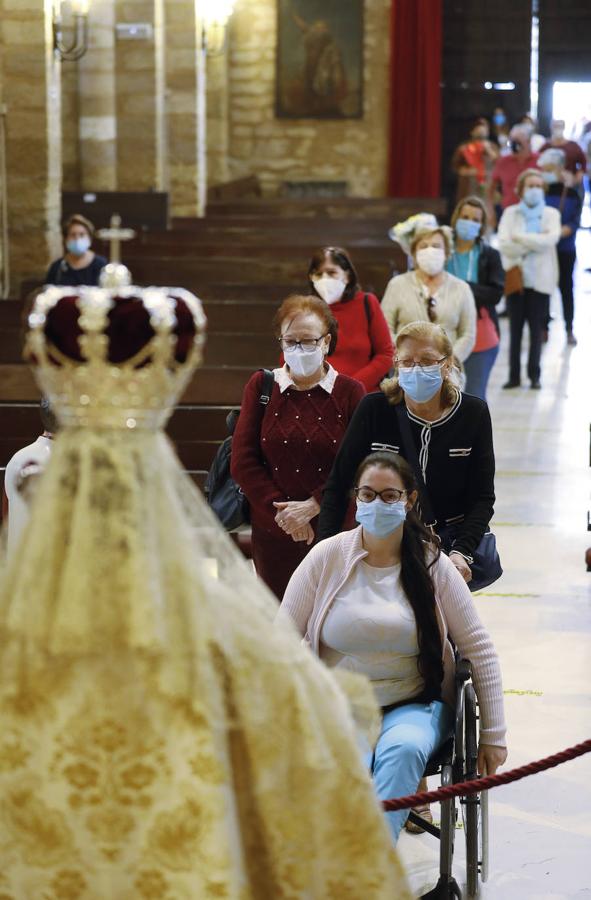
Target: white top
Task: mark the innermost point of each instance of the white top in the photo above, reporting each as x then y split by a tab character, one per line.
405	302
371	629
535	253
284	379
18	510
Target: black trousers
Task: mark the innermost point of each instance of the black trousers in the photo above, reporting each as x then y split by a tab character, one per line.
530	307
566	265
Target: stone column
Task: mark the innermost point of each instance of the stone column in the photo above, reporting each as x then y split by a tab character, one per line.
31	89
97	123
184	107
218	122
139	74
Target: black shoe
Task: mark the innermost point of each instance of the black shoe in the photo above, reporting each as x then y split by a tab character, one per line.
545	335
511	384
536	386
571	339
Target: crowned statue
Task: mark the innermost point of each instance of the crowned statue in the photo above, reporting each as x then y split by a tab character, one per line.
161	737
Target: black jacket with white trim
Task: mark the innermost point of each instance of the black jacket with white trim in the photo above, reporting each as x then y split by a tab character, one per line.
455	452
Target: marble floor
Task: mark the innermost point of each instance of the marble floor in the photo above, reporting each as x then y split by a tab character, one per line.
539	615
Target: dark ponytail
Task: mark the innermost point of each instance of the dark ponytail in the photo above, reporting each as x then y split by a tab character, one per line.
419	552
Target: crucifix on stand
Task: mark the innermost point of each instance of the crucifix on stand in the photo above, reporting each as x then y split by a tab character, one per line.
115	274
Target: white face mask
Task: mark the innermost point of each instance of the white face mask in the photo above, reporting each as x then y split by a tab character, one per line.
330	288
431	260
302	363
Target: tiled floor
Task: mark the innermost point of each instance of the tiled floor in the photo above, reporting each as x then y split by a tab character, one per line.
539	615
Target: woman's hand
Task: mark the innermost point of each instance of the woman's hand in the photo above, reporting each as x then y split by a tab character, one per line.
304	534
461	565
294	515
490	758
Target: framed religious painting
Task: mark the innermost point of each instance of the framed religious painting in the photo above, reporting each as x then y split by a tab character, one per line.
319	59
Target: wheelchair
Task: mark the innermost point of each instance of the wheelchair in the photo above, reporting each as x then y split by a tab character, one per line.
457	761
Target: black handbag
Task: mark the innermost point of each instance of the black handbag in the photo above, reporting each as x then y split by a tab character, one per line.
221	491
486	563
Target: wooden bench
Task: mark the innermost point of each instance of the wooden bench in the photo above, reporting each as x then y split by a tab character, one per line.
345	208
237	189
141	210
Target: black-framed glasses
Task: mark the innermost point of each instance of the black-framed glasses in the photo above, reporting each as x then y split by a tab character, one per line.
389	495
422	363
308	345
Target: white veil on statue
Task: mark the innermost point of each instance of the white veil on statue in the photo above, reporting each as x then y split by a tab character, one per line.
161	737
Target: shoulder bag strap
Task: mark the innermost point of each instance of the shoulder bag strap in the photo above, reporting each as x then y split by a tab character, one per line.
267	387
412	457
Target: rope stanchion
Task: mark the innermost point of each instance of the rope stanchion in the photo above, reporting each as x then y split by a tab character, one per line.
465	788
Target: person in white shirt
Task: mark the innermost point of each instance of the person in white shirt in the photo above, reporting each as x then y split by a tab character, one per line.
22	471
528	234
382	601
430	294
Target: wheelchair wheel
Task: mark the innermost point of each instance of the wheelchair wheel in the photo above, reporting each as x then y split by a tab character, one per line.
471	805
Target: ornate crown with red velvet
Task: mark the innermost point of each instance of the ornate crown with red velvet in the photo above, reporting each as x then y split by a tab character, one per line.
114	358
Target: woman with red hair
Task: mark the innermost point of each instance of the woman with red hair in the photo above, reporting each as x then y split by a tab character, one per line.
282	453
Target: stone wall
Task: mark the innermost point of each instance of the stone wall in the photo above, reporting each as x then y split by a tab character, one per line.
352	150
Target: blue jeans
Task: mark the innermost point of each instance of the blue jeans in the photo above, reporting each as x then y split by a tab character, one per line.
409	736
478	367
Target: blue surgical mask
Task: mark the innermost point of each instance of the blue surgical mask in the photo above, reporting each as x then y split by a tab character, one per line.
467	230
379	518
499	119
421	383
533	196
78	246
549	177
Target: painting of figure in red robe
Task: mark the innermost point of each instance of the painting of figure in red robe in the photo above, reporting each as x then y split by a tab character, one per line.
319	59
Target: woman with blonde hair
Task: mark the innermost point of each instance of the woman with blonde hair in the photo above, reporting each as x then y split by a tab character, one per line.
430	294
450	433
479	265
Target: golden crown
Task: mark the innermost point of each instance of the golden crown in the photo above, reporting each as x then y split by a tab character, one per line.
114	358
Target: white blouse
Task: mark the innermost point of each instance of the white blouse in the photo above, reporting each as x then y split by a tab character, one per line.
405	301
371	629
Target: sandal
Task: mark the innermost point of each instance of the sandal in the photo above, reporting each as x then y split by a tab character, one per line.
424	811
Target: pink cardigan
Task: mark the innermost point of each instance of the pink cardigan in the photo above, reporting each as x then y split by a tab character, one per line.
317	580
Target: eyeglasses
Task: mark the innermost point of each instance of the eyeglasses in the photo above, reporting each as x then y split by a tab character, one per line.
308	345
431	311
390	495
422	363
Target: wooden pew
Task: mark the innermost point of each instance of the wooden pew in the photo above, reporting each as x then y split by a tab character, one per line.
141	210
395	209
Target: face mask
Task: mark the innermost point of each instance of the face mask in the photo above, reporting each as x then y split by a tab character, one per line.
379	518
78	246
549	177
499	119
330	289
480	136
558	132
421	383
302	363
467	230
516	147
533	196
431	260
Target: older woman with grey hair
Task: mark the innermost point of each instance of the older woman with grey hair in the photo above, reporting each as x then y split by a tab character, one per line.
563	196
431	294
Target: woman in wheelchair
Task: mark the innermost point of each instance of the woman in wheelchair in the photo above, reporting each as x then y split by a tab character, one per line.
383	601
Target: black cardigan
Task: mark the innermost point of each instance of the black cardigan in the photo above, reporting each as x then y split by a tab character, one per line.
460	464
491	281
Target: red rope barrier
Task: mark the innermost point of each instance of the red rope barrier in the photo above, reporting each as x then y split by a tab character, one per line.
477	785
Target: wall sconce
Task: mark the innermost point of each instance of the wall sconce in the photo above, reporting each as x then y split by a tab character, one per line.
79	46
214	25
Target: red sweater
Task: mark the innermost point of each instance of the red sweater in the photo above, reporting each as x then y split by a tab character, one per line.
291	455
364	349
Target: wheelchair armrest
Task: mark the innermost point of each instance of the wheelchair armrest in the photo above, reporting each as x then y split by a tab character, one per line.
463	670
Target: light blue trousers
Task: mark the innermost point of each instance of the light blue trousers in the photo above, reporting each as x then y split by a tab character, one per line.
410	735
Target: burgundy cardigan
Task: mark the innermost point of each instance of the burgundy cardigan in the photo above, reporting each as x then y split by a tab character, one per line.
290	454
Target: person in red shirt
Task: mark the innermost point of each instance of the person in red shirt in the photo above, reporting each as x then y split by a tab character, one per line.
507	169
365	349
575	160
282	453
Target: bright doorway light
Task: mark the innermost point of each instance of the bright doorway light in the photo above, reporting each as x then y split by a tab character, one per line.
571	101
